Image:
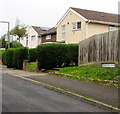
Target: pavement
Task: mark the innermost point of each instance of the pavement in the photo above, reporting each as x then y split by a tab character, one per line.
104	94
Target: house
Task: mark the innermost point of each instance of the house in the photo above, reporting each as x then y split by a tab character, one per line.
34	36
79	24
11	38
49	36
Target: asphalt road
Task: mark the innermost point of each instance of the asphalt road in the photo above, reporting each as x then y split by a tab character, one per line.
22	96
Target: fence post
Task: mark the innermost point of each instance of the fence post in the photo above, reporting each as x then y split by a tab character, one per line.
37	68
25	64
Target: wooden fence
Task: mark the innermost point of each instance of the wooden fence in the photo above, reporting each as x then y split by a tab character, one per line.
102	47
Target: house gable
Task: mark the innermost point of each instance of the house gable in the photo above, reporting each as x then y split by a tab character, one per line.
94	16
71	36
68	11
31	31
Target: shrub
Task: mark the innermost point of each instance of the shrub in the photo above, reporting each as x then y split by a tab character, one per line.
18	56
50	55
4	57
1	52
14	44
9	57
56	55
72	54
32	55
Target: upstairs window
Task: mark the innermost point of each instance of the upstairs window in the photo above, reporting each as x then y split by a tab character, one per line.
48	37
111	28
33	37
76	26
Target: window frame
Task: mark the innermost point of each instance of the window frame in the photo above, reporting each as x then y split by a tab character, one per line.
111	28
75	26
48	37
33	37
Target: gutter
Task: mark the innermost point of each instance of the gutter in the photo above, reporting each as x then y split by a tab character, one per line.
48	33
103	22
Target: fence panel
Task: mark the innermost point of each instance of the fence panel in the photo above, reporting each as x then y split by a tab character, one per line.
102	47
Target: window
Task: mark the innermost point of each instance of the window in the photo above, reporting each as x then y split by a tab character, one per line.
111	28
33	37
76	26
63	32
48	37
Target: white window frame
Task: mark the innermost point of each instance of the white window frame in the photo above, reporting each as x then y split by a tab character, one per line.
111	28
48	37
75	26
63	32
33	37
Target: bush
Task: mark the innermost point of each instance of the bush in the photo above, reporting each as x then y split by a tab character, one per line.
72	54
32	55
1	52
18	57
14	44
9	57
4	57
56	55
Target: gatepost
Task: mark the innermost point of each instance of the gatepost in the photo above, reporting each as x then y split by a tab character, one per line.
37	68
25	64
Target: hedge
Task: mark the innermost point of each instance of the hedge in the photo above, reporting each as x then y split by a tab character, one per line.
32	55
72	54
14	44
13	57
18	56
4	57
1	52
9	57
57	55
49	56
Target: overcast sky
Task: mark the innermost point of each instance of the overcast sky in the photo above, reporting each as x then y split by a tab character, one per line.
47	12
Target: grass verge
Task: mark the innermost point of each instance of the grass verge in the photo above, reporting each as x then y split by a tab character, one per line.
92	72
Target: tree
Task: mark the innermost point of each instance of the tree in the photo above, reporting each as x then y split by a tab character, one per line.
19	30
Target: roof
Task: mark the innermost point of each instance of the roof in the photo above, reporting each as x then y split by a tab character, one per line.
94	16
39	30
50	31
97	16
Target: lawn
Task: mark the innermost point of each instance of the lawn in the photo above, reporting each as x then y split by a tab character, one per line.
31	66
91	72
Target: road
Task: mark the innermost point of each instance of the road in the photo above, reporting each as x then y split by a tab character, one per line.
22	96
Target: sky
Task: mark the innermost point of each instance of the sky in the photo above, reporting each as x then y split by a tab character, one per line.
47	13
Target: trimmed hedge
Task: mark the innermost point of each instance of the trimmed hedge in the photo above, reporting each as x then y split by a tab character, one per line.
1	52
57	55
18	56
14	44
14	57
49	56
32	55
4	57
9	57
72	54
